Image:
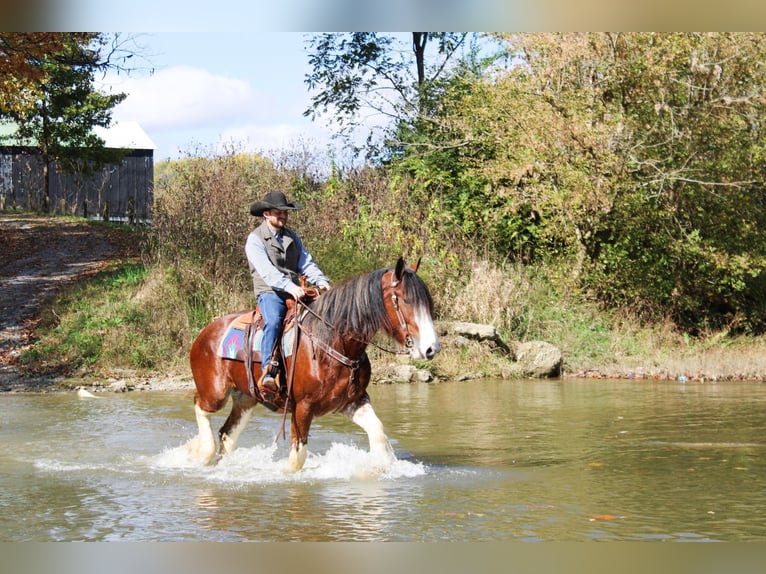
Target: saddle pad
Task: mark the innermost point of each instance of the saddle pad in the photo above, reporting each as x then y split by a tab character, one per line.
233	343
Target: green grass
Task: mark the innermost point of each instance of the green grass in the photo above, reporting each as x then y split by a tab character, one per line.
92	323
143	319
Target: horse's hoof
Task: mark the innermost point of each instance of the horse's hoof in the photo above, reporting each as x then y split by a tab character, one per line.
198	455
297	458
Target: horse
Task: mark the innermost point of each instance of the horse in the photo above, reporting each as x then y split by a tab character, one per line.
329	371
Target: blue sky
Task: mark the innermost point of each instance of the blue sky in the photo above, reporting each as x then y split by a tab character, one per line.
198	90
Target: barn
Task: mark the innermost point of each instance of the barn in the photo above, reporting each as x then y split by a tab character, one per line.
120	192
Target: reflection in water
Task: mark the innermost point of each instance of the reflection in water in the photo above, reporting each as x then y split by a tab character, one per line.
485	460
252	496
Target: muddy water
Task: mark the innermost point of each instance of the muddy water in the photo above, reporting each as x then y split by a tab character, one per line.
478	461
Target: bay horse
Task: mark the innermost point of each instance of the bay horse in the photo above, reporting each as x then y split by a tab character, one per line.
330	367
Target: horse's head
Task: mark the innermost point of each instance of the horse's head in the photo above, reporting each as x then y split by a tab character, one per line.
409	307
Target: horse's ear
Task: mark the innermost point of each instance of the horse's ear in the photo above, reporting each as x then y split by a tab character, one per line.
415	267
399	269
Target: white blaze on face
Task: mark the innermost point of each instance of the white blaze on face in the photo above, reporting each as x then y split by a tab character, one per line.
427	343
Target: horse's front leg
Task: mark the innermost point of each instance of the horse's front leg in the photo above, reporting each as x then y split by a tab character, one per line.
301	421
202	447
364	415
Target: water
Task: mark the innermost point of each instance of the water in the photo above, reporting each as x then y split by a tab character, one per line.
476	461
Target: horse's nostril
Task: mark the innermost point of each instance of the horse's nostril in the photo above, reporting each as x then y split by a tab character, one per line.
430	353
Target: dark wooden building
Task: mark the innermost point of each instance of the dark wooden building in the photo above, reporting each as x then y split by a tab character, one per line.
116	192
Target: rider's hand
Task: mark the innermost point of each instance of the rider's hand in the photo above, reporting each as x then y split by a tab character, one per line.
297	292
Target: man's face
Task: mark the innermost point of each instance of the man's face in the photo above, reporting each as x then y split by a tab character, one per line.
277	218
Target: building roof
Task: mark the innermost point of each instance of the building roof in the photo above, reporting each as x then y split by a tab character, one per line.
125	135
120	135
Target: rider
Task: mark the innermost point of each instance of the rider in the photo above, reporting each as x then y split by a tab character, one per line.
277	259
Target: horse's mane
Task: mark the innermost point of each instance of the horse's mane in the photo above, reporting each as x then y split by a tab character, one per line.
355	307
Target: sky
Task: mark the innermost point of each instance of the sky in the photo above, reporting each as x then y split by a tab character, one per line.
196	91
232	71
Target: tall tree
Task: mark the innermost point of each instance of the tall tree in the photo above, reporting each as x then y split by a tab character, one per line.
368	72
55	103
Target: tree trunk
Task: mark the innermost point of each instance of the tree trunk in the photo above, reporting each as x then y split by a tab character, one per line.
46	206
419	41
44	149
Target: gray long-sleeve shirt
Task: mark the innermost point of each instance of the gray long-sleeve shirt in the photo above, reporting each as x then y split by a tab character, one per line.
261	264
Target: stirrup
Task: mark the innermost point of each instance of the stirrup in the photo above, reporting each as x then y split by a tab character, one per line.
269	394
269	383
273	369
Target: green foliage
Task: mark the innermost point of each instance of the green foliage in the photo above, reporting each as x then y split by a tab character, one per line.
355	74
202	207
637	157
21	76
94	323
202	220
592	185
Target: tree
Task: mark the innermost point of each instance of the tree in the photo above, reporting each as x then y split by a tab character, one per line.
368	71
20	75
638	158
53	100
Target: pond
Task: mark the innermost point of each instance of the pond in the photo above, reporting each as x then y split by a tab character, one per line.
490	460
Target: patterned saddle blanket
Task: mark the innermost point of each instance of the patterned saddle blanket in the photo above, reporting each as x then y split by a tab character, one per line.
233	342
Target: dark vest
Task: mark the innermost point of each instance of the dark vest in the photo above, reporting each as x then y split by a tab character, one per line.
284	257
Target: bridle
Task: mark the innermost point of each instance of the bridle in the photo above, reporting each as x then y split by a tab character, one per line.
409	342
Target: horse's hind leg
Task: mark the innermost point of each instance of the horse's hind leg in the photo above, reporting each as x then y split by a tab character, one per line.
364	415
241	412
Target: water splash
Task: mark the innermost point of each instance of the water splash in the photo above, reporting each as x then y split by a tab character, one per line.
265	464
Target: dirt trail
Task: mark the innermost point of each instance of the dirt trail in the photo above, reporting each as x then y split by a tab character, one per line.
38	256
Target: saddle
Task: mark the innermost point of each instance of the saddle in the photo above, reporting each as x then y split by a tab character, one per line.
233	343
251	323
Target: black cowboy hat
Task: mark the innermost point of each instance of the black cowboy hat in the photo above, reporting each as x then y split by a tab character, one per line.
273	200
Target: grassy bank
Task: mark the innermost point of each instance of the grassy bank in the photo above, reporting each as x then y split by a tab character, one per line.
138	320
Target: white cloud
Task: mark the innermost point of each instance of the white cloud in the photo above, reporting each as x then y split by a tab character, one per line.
184	97
188	109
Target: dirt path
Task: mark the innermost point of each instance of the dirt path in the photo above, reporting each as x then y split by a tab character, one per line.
38	256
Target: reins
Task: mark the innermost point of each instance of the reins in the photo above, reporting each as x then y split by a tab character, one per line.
291	375
353	365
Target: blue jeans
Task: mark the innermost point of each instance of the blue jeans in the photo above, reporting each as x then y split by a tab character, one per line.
273	310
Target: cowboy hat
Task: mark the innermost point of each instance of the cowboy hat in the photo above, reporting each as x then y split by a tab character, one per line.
273	200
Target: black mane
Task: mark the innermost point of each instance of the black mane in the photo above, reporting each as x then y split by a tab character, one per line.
355	307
